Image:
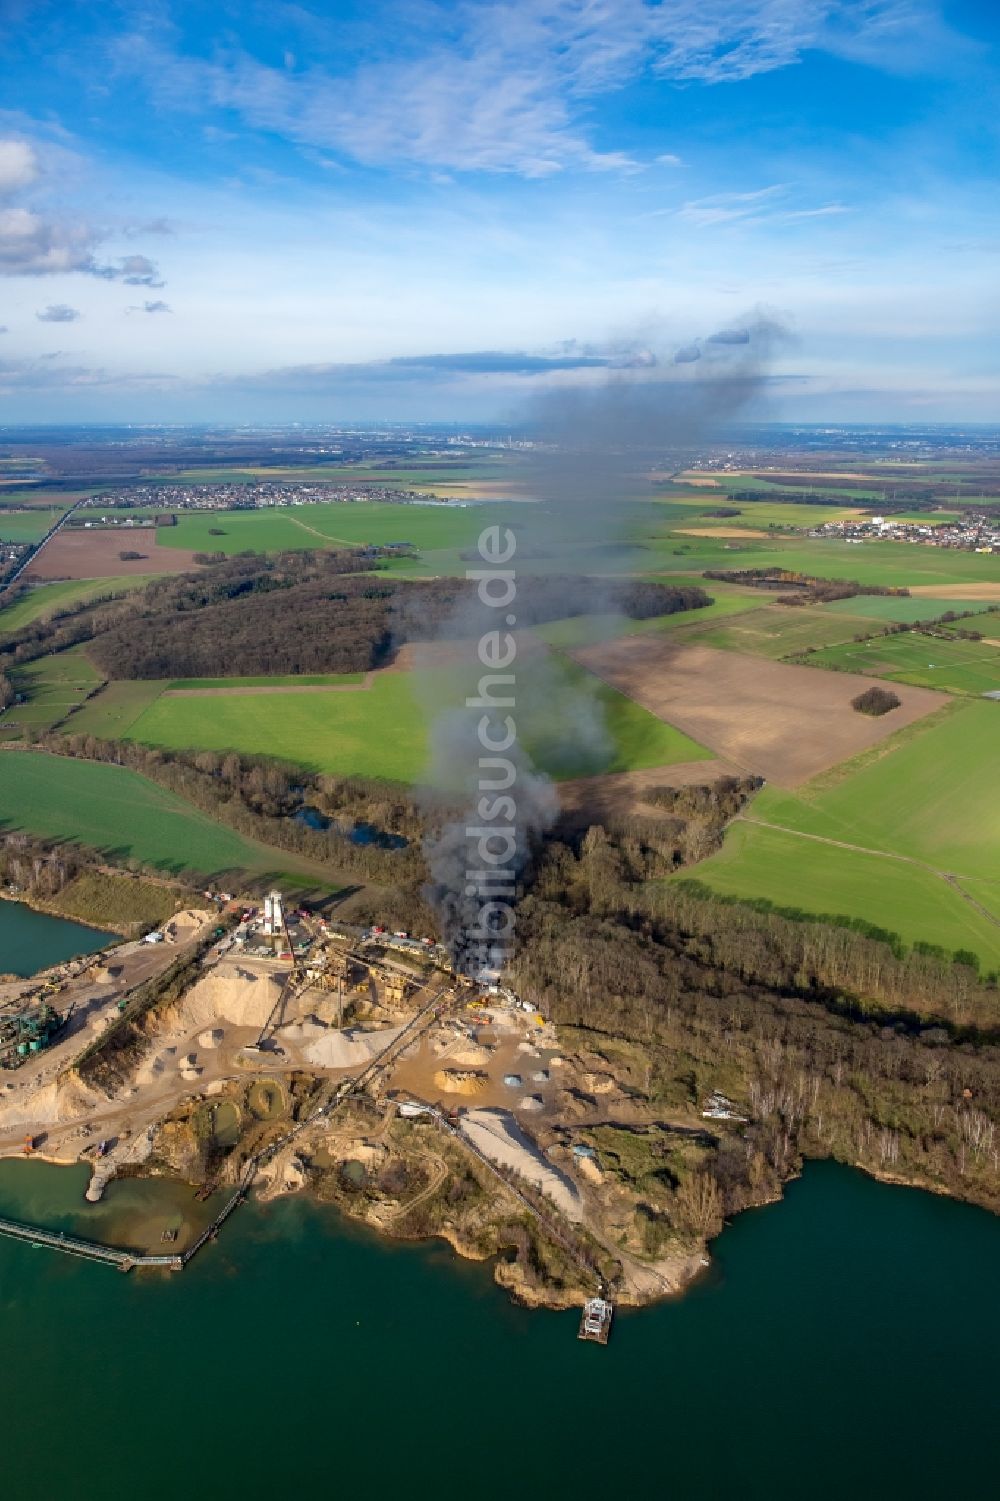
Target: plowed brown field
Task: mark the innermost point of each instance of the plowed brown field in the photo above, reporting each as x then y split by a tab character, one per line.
75	553
782	722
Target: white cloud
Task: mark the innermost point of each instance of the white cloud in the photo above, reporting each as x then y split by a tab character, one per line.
18	166
504	86
34	242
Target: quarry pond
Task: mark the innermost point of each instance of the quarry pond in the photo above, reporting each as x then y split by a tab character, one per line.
31	941
810	1323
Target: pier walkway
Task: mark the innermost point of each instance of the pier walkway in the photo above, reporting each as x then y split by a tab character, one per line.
74	1245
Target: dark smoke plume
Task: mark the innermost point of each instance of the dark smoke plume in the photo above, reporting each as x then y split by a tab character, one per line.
595	445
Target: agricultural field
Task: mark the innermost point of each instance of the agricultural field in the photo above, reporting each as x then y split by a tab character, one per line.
786	723
951	665
586	630
380	729
928	793
776	631
76	553
876	838
45	599
54	687
111	714
759	514
896	564
410	473
820	880
126	817
27	526
904	609
350	524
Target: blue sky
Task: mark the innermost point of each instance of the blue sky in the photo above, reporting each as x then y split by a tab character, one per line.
430	210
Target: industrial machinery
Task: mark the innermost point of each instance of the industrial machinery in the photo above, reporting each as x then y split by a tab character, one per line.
24	1034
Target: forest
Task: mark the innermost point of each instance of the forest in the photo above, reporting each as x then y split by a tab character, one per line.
834	1043
301	612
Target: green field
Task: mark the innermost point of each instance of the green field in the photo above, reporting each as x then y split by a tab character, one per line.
758	514
927	661
904	609
27	526
353	524
110	714
821	880
125	817
54	686
897	564
44	599
408	475
584	630
928	794
382	732
777	631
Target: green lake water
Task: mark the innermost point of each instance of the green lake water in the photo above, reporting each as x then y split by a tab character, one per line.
844	1345
30	941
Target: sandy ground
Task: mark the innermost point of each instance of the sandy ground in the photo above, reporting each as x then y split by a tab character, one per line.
352	1048
33	1096
77	554
499	1137
779	721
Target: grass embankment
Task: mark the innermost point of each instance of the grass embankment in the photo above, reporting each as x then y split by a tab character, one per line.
125	817
927	795
124	903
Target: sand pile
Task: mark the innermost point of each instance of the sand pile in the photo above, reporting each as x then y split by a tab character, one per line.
231	994
211	1038
105	974
470	1057
532	1102
598	1083
349	1049
51	1105
191	917
499	1137
587	1168
460	1081
190	1074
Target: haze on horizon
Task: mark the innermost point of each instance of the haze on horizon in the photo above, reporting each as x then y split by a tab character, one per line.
422	210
